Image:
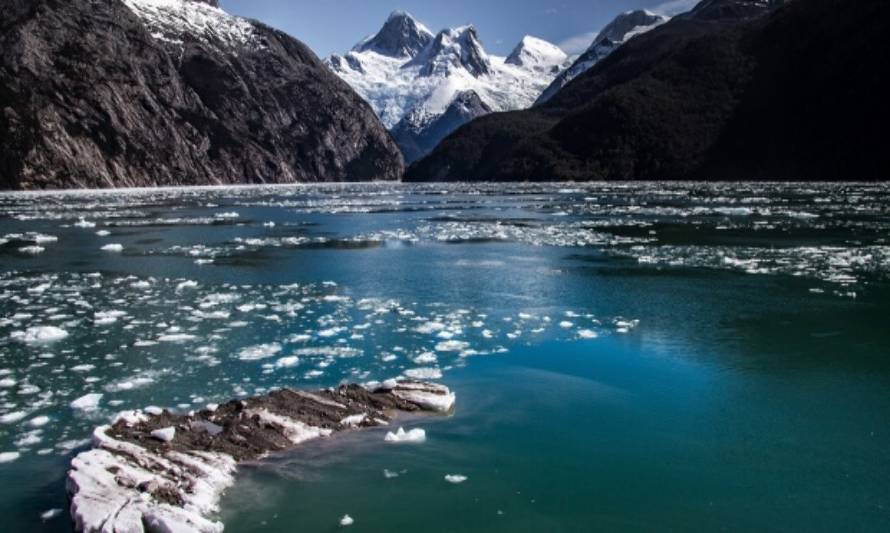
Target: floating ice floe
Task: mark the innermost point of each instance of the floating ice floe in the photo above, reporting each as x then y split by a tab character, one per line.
287	362
424	373
415	435
587	334
39	335
346	520
8	457
12	418
455	478
83	223
32	250
87	402
452	346
50	514
114	248
259	352
177	337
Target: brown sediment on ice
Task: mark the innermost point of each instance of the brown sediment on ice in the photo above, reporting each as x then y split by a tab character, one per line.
167	471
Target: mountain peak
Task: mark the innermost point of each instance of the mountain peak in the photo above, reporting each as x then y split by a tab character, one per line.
455	47
537	53
401	36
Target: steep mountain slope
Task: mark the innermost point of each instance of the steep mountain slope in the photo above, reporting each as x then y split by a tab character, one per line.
418	135
624	27
795	92
411	77
168	92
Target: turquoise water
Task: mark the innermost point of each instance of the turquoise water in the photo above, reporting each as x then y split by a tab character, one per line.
626	357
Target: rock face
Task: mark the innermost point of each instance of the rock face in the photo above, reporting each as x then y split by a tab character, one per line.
419	83
733	90
116	93
624	27
166	472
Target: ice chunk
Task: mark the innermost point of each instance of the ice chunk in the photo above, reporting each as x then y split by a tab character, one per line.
50	514
587	334
39	421
346	520
87	402
452	346
353	420
164	434
415	435
39	335
426	358
83	223
8	457
176	337
114	247
32	250
260	351
424	373
13	417
287	362
455	478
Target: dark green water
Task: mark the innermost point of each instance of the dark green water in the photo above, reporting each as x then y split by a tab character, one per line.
739	378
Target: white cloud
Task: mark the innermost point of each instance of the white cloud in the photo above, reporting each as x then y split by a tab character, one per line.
578	43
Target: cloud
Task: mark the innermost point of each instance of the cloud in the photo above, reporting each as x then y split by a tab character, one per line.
674	7
578	43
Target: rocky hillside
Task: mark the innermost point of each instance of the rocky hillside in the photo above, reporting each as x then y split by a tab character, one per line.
116	93
734	89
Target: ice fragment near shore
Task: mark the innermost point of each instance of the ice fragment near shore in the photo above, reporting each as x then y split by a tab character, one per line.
415	435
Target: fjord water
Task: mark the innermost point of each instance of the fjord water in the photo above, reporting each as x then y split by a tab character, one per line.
626	357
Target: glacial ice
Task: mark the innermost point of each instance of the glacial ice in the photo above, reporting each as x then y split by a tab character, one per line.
415	435
39	335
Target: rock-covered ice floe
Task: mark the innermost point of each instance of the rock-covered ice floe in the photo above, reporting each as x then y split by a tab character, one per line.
157	471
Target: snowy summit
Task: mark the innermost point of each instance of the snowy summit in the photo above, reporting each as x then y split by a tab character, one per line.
412	78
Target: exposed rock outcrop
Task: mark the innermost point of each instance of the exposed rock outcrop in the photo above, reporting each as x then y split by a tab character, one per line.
114	93
159	471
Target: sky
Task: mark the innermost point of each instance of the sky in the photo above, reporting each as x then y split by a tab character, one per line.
334	26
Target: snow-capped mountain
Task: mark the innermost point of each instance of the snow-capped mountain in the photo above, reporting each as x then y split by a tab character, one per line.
412	77
624	27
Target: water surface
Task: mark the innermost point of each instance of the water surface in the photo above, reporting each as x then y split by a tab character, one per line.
626	357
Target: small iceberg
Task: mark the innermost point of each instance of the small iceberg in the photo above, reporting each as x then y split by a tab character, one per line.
455	478
415	435
39	335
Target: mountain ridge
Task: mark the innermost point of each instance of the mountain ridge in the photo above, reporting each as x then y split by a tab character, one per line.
702	98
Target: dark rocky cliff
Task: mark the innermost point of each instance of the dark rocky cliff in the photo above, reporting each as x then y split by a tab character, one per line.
737	89
105	93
